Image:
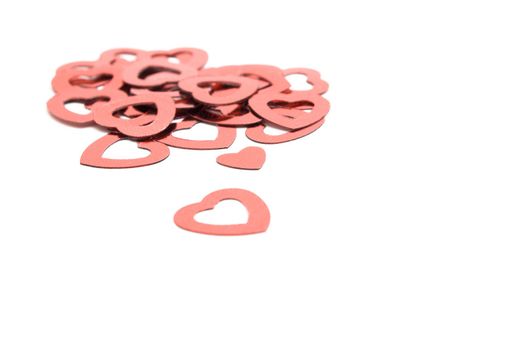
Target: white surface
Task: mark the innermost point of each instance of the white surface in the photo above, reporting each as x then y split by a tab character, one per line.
398	225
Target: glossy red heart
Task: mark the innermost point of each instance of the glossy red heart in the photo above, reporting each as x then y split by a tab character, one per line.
229	115
257	133
142	126
187	55
113	56
225	138
242	88
319	86
181	100
161	72
77	66
68	79
92	155
249	158
259	215
57	108
293	119
267	76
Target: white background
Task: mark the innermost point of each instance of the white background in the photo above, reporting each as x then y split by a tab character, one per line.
397	225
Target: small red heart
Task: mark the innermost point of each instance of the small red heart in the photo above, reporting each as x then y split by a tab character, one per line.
92	155
249	158
259	215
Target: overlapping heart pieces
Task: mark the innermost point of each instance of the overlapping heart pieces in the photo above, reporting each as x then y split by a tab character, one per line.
146	96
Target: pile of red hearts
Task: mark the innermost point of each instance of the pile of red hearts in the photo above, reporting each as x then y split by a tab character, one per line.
144	96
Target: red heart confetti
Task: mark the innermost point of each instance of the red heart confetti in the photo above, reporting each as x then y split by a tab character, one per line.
147	99
249	158
259	216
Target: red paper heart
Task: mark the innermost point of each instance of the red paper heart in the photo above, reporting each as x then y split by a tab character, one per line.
249	158
92	155
259	215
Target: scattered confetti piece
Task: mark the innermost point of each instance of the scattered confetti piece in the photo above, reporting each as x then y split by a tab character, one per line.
249	158
259	215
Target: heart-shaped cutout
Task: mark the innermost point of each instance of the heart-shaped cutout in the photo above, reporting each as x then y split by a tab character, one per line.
267	76
143	126
240	89
257	133
225	138
187	55
155	72
67	79
116	57
229	115
93	155
77	66
258	221
249	158
57	104
319	86
293	119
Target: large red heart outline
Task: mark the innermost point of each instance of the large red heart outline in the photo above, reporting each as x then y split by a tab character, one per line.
259	215
93	155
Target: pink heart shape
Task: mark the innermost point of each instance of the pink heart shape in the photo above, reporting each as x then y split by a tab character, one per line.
259	215
249	158
92	155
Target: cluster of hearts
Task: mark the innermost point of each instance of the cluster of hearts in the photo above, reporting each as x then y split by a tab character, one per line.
145	97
